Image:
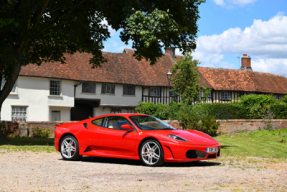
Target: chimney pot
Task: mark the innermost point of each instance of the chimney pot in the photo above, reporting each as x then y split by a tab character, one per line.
246	63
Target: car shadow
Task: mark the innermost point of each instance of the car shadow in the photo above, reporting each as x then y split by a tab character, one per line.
89	159
225	146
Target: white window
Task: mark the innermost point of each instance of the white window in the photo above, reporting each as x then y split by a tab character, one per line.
55	87
171	93
226	95
3	83
129	90
154	91
108	88
88	87
56	115
19	113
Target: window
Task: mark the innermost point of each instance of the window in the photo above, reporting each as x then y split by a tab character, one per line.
276	96
116	110
154	91
98	122
88	87
55	87
201	95
3	83
56	115
171	93
116	122
19	113
129	90
108	88
225	95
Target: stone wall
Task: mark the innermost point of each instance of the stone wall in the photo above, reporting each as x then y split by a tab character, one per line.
226	126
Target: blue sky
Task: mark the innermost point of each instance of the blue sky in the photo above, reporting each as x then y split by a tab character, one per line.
230	28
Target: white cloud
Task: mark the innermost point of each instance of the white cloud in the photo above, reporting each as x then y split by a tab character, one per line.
231	3
263	39
111	30
277	66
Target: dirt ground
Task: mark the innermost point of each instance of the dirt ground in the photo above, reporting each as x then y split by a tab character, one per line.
30	171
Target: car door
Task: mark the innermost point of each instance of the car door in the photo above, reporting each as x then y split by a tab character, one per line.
114	140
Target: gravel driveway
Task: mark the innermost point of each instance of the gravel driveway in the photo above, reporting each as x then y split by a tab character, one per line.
29	171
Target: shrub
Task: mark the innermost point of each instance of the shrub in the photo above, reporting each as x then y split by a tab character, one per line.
41	133
224	110
3	128
279	110
255	106
208	125
284	99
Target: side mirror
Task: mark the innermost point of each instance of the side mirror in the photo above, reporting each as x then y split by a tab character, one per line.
127	127
171	124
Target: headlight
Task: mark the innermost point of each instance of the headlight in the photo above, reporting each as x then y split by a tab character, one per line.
177	137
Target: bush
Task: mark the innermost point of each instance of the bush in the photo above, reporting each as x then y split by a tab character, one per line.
194	117
223	110
41	133
255	106
279	110
284	99
161	111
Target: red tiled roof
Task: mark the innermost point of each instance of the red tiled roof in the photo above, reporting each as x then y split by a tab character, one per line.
120	68
242	80
123	68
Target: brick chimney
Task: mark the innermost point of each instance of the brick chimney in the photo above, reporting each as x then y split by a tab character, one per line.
171	51
246	63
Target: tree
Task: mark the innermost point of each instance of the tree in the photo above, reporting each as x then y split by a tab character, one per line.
186	80
36	31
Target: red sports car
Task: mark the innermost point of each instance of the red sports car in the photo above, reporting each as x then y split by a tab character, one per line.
133	136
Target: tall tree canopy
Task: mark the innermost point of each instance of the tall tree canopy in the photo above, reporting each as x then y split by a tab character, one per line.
36	31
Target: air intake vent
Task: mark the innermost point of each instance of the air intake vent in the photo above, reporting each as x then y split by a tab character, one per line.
192	154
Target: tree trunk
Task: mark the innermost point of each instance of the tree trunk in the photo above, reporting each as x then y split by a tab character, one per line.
10	81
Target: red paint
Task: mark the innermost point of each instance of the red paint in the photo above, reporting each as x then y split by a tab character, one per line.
107	142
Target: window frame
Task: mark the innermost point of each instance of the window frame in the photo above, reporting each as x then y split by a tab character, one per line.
106	120
224	98
60	87
115	109
105	88
89	83
150	91
56	111
14	88
19	106
128	90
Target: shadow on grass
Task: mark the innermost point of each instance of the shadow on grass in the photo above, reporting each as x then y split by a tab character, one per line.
90	159
29	141
226	146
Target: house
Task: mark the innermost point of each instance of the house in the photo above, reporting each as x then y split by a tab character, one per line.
75	91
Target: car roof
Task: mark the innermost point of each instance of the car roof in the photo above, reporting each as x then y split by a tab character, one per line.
120	114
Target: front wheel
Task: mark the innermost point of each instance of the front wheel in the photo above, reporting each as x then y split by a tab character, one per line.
151	153
70	148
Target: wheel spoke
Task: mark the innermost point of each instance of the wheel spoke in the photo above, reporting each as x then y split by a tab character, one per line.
148	146
73	149
69	153
150	159
65	143
156	156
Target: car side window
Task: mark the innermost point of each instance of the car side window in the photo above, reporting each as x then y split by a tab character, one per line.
98	122
116	122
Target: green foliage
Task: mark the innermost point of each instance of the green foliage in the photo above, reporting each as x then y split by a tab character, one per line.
279	110
209	125
41	133
284	99
194	117
255	106
224	110
186	79
162	111
3	128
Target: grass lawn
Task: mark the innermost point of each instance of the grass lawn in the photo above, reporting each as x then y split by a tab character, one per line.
263	143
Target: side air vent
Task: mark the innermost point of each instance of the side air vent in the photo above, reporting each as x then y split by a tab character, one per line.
86	125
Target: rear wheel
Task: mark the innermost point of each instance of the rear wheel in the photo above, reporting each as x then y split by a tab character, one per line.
151	153
70	148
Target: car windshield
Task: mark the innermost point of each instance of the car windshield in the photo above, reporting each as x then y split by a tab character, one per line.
150	123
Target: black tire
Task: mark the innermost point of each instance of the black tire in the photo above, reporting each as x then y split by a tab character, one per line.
151	153
69	148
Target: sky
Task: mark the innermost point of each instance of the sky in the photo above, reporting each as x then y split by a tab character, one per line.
230	28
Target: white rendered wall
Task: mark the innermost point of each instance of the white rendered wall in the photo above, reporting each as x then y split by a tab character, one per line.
33	92
117	99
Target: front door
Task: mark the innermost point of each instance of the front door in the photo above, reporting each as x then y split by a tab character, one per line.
114	140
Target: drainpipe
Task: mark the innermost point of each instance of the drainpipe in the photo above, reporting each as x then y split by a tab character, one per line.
75	87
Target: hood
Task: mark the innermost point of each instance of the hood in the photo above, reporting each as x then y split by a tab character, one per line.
195	137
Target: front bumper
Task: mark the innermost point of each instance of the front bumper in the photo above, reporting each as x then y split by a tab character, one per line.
185	152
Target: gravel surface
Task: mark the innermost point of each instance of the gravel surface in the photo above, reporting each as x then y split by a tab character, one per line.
29	171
